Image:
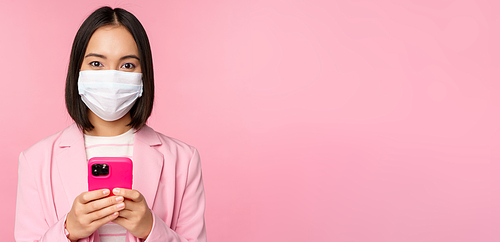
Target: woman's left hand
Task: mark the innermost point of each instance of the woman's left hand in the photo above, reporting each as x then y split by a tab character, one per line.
136	216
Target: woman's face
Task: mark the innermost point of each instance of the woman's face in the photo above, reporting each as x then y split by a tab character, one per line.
111	48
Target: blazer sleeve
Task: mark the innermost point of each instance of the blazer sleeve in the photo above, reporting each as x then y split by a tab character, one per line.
191	222
31	223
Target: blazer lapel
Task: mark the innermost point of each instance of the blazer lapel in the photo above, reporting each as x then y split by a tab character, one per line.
147	164
71	162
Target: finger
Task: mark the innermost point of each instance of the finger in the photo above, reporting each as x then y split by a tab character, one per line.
93	195
124	222
133	209
100	222
126	214
133	195
131	205
99	214
102	203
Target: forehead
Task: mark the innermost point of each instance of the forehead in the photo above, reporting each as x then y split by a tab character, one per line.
112	41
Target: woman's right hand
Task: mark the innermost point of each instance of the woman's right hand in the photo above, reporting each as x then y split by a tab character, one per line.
90	211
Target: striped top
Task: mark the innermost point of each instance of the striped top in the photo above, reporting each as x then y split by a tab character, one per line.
115	146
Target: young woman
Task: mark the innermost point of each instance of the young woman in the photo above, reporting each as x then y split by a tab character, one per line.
109	95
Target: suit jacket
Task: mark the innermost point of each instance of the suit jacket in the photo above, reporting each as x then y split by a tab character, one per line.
167	172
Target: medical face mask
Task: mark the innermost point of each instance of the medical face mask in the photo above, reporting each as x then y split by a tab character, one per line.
110	94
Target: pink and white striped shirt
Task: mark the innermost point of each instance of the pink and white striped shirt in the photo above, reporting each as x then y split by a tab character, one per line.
115	146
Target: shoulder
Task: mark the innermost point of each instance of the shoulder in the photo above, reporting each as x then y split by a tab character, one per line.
164	142
46	145
175	143
177	155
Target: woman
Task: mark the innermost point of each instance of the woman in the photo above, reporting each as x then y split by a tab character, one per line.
109	95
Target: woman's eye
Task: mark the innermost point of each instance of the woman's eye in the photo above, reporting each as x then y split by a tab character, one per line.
128	66
95	64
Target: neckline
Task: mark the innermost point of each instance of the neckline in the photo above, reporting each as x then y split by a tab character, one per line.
129	132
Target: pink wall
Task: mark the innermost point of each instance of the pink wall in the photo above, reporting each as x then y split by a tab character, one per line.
315	120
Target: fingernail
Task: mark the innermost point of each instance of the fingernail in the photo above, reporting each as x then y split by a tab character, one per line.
119	199
120	206
116	191
105	192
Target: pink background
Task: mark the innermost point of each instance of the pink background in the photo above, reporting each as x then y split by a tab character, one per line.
315	120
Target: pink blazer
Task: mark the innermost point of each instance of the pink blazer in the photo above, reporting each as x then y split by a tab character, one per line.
166	171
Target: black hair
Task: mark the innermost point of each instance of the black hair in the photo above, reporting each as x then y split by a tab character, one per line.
106	16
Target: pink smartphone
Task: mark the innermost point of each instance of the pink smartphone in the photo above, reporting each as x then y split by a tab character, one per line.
110	172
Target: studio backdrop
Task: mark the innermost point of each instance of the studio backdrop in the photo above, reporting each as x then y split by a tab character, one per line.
347	121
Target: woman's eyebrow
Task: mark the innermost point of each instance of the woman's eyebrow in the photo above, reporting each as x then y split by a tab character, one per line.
130	56
96	55
104	57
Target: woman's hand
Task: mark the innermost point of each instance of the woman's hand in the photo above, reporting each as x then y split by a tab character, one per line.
90	211
136	217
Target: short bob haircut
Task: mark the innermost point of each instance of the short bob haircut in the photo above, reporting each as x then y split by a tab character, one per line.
106	16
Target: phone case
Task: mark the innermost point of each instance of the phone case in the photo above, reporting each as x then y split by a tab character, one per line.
120	173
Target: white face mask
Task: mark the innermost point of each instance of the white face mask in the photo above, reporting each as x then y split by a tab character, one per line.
110	94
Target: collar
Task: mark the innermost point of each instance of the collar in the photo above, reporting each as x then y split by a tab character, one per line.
73	134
